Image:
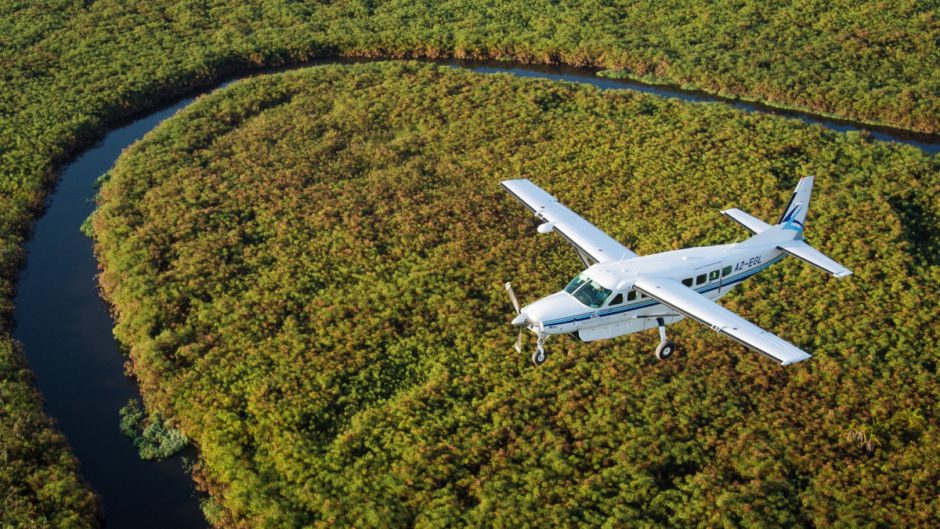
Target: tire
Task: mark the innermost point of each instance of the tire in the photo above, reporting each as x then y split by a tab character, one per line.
539	356
665	350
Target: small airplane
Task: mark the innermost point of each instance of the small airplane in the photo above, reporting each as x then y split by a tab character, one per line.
622	293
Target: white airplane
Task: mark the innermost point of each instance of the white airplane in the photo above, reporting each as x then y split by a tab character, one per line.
622	293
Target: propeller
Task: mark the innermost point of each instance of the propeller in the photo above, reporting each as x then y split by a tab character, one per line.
512	297
520	318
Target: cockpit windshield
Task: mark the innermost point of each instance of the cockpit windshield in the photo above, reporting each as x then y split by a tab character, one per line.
575	283
592	294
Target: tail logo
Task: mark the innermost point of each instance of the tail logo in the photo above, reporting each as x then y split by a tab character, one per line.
790	223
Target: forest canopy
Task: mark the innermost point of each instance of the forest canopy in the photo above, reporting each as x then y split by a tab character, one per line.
69	69
307	271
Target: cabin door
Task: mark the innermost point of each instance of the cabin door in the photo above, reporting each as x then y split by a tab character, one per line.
711	282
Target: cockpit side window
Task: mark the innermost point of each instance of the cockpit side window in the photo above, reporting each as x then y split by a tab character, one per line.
617	300
592	294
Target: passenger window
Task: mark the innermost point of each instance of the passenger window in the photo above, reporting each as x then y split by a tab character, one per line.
618	299
631	295
713	275
725	271
700	279
687	281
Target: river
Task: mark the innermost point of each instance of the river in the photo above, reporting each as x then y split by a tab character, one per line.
66	328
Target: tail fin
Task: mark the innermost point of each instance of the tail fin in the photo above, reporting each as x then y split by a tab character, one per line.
793	218
794	215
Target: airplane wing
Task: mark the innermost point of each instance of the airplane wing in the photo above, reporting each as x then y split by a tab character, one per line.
590	242
690	303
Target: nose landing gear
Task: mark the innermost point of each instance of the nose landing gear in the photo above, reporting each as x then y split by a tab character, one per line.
666	347
539	356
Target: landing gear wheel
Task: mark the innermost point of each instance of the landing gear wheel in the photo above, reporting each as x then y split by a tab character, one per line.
665	350
539	356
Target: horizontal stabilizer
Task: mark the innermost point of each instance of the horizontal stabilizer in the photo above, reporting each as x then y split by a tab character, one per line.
801	250
753	224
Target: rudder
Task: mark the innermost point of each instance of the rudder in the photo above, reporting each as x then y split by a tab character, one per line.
795	213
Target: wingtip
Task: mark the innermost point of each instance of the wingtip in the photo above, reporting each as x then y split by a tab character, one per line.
511	180
796	360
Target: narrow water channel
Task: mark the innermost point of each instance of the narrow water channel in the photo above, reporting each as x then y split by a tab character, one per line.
925	142
66	328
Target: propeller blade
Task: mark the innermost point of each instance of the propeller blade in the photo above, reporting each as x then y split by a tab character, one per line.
518	345
512	296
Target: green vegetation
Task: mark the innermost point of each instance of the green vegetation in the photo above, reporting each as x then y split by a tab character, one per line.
152	437
39	487
69	69
307	269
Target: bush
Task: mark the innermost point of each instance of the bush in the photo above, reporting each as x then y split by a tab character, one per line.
152	437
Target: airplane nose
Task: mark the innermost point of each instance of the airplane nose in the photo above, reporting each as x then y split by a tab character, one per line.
521	319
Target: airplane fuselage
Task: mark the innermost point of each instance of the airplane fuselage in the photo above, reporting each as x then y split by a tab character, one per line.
711	270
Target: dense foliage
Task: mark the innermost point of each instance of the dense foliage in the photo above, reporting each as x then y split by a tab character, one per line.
307	269
69	68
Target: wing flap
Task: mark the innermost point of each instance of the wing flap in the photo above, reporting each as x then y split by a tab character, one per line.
584	236
691	304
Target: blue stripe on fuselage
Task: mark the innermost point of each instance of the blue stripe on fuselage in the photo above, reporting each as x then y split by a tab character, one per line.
620	310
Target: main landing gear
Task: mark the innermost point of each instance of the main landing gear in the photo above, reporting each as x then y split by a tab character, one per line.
666	347
539	356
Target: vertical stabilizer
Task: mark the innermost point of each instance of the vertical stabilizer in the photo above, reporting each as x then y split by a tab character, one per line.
794	215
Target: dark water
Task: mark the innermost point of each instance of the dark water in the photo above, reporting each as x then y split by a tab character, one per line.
66	328
66	331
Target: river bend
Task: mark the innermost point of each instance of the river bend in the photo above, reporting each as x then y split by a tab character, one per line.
66	328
